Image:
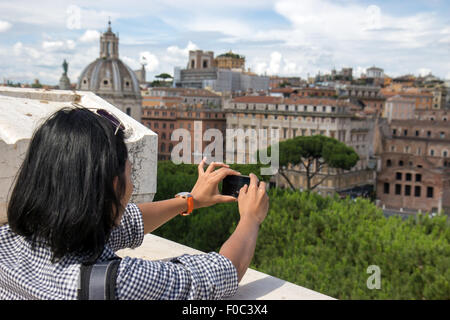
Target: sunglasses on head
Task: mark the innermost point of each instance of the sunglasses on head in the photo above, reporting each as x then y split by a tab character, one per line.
111	118
106	115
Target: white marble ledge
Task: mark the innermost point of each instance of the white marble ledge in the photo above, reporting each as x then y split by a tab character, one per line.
254	285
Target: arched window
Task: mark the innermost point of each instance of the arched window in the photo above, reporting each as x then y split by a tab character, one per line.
445	153
432	152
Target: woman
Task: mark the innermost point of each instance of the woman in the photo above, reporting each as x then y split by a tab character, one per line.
70	205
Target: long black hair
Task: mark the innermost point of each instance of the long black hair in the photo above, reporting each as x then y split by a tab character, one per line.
64	194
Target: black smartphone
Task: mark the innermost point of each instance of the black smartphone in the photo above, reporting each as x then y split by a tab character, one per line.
232	184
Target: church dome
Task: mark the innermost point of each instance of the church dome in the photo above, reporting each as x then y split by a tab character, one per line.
108	75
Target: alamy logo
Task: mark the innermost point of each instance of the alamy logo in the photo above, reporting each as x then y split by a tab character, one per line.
374	281
73	21
242	147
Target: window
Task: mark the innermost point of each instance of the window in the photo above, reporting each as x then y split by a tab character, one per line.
429	192
128	111
163	136
417	133
400	163
418	177
405	132
388	163
442	135
398	176
417	191
398	189
386	188
407	190
394	132
163	147
432	152
408	177
428	134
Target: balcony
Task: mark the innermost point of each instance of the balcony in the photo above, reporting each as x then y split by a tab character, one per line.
22	110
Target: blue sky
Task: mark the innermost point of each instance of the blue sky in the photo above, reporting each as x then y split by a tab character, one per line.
278	37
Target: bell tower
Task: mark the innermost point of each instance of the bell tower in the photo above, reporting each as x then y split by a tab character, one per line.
109	44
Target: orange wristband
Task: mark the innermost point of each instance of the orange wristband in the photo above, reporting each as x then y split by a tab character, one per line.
190	202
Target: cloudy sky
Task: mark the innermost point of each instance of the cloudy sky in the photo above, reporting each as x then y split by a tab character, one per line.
277	37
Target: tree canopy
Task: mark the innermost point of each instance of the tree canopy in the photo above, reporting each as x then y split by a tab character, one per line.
314	153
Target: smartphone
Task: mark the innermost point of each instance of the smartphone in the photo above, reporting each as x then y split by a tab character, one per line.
232	184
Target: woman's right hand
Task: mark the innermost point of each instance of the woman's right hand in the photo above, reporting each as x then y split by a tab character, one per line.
253	200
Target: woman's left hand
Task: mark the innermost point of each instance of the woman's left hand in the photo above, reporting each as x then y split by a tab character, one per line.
206	189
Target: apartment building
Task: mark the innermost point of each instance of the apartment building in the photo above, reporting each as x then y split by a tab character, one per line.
305	117
414	172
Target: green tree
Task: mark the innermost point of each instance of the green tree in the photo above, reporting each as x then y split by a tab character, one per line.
313	154
164	76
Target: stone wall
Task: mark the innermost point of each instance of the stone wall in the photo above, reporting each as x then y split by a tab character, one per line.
23	110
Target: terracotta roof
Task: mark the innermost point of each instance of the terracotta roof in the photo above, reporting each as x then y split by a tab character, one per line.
258	99
282	90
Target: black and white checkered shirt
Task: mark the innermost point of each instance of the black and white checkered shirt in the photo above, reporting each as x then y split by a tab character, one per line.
29	274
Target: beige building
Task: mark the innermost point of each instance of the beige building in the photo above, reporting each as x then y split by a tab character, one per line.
399	108
306	117
230	60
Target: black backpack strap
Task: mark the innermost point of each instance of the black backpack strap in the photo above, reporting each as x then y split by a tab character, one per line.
98	281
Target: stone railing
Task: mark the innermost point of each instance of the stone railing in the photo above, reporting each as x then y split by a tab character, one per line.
254	285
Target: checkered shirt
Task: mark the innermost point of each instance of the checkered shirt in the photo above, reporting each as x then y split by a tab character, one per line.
29	274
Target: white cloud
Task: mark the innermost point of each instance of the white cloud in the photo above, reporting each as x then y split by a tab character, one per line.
277	65
176	56
423	71
20	50
177	52
58	45
52	45
150	60
90	36
4	26
17	48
